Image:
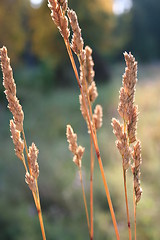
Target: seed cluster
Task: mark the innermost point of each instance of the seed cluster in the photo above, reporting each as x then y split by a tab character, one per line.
16	124
78	151
126	133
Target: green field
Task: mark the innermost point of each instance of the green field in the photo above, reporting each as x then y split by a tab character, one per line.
46	116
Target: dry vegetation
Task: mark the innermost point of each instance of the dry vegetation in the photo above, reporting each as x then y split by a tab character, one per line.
127	143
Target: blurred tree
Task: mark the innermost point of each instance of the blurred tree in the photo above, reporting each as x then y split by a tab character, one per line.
12	32
145	29
97	22
99	29
92	15
46	41
32	37
121	36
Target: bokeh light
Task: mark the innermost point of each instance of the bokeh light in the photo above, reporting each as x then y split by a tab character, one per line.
36	3
121	6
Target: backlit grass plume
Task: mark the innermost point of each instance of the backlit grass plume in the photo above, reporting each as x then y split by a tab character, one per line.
88	91
78	152
17	133
126	133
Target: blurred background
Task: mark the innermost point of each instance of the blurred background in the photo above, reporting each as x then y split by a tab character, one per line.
48	92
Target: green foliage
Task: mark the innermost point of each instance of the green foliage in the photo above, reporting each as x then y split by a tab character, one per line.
12	33
145	31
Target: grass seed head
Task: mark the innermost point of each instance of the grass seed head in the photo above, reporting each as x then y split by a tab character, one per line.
30	181
137	158
72	139
89	65
77	40
33	155
59	18
73	147
10	90
98	116
92	92
18	142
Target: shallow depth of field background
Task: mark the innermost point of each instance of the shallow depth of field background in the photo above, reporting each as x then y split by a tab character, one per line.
48	93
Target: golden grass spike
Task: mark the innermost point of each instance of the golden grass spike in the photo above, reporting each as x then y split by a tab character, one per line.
132	125
127	92
64	4
97	116
130	75
136	170
16	128
73	147
77	40
72	139
92	92
89	65
122	143
18	142
127	133
33	155
10	90
59	18
30	180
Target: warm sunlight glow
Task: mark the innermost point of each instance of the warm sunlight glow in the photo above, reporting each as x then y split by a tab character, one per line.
36	3
121	6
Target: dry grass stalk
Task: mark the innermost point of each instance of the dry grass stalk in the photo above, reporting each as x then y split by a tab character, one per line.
97	117
10	90
122	143
88	93
126	133
89	65
18	142
33	155
63	4
16	128
77	40
31	182
137	191
136	170
61	21
78	152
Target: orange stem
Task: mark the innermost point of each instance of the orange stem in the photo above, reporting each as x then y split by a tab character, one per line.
24	163
40	213
91	151
91	189
84	199
35	195
94	142
41	222
26	149
125	189
135	224
127	208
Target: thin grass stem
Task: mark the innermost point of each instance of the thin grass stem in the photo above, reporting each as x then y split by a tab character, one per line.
91	187
35	199
35	196
40	213
125	191
85	202
24	163
135	207
26	149
127	208
91	159
94	142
